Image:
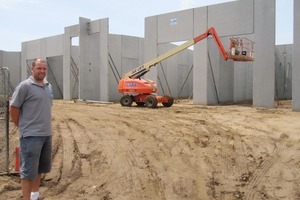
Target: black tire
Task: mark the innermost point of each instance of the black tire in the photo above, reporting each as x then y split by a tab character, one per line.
170	101
140	104
126	100
151	101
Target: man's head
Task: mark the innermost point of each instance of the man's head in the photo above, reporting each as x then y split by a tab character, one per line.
39	69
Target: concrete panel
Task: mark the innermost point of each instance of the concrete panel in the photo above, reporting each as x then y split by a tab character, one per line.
172	72
12	61
150	44
184	85
141	51
73	31
130	47
33	49
283	71
263	66
220	86
233	18
74	71
23	61
243	81
55	45
180	24
89	68
226	81
185	74
200	59
93	65
115	66
168	72
296	59
103	45
67	63
55	75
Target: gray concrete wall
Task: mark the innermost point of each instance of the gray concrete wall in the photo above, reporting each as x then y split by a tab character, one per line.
93	64
263	66
201	70
174	76
74	71
55	75
69	32
50	48
214	79
283	71
12	60
296	57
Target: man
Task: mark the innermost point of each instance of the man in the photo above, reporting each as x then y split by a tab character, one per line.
30	110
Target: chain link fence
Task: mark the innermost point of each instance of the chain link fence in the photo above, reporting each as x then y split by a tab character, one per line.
7	141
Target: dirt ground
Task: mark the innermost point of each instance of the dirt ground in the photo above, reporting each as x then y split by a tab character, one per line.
106	151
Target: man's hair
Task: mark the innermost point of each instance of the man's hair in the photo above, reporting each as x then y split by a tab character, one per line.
38	60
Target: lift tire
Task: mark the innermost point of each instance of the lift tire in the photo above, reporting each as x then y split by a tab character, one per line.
170	101
126	100
151	101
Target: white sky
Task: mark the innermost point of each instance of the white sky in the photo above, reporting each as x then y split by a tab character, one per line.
25	20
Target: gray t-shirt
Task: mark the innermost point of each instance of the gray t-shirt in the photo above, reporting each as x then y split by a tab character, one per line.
35	103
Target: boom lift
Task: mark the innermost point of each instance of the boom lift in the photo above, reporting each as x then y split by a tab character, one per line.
143	91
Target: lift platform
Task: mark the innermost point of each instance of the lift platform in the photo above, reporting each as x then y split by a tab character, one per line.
241	49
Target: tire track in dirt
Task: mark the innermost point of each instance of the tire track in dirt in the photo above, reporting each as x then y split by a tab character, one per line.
163	157
254	186
66	161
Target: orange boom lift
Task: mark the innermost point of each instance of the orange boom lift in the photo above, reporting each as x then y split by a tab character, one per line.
143	91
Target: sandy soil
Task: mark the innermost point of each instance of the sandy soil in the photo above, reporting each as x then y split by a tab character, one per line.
106	151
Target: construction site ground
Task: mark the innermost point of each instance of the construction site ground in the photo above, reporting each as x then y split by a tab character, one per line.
194	152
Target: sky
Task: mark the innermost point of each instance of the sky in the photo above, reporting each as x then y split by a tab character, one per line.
26	20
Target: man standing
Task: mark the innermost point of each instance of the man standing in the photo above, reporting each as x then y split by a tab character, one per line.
30	110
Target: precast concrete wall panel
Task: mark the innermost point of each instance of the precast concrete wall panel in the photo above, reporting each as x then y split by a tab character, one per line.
283	71
150	44
200	70
213	78
68	34
185	74
221	76
173	72
12	61
115	65
55	45
185	81
74	71
55	75
141	51
104	35
176	26
234	18
243	81
33	49
89	69
296	57
130	47
167	72
263	66
93	67
226	81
